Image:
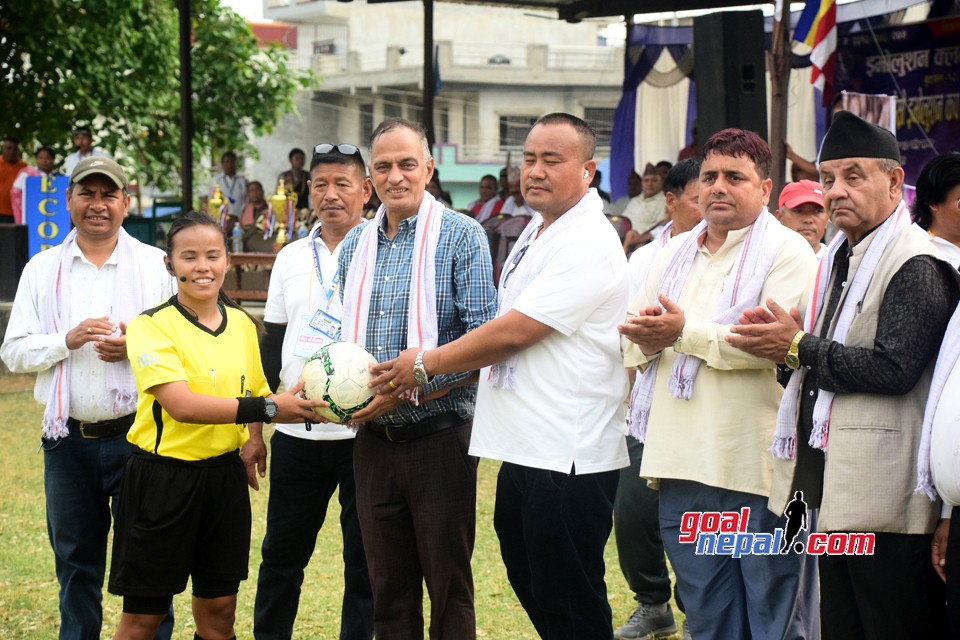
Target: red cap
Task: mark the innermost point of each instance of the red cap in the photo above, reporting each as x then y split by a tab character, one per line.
795	194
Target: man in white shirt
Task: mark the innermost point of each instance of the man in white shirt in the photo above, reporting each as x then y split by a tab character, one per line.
551	405
233	187
310	462
800	207
68	326
83	141
706	411
515	204
647	209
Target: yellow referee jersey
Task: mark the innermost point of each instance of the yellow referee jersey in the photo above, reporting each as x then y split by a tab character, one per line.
167	344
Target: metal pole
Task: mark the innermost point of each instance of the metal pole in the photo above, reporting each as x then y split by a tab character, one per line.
186	108
779	85
428	79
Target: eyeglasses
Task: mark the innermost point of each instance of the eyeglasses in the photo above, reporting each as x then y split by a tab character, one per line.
342	149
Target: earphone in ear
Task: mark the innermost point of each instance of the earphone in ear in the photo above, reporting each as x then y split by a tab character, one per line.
170	269
586	174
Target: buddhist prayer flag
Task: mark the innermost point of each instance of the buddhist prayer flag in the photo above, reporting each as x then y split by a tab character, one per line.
817	28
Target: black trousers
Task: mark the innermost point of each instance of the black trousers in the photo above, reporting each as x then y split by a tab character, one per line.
894	593
636	524
304	474
552	528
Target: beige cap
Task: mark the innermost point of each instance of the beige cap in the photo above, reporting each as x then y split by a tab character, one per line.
98	164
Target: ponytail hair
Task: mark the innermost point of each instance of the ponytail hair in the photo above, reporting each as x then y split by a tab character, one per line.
192	219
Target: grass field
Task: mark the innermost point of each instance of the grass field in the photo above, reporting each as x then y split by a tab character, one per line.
28	586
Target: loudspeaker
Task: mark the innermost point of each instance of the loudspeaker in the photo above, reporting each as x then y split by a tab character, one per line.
729	68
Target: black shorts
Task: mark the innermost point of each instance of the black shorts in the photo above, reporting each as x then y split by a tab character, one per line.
180	519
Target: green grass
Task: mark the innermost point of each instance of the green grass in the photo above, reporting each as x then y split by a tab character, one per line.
28	586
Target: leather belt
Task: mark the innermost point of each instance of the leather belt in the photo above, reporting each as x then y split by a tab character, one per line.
416	430
103	428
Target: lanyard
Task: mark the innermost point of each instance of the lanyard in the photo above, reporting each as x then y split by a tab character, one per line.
316	264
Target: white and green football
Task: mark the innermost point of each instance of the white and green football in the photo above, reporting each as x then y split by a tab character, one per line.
337	373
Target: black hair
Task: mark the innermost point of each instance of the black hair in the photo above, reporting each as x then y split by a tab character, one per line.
664	164
489	177
13	139
587	134
48	149
937	178
680	175
294	152
196	218
334	157
228	154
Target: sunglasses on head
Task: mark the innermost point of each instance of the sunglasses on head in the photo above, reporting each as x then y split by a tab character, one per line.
342	149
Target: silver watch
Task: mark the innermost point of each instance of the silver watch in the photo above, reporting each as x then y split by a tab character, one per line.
419	372
269	408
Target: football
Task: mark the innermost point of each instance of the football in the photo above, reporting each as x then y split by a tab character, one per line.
337	373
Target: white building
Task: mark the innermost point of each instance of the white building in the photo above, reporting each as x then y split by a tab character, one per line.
499	70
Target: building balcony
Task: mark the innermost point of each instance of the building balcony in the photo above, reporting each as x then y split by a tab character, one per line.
472	64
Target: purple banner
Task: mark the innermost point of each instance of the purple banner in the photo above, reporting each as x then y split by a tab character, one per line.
920	65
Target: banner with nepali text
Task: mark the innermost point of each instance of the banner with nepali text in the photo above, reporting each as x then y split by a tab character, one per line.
919	64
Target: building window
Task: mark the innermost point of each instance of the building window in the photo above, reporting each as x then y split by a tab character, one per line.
366	120
514	130
601	119
444	133
392	106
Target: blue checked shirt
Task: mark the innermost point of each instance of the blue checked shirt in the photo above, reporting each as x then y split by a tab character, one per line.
466	298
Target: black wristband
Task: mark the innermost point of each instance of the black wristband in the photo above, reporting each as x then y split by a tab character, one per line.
251	409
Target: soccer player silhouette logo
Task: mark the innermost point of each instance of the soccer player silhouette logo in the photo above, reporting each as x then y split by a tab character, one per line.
796	514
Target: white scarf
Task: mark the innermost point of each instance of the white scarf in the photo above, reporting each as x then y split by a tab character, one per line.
757	254
784	443
121	389
527	260
422	329
946	361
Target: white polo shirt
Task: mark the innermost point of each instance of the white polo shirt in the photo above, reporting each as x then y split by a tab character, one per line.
294	296
566	410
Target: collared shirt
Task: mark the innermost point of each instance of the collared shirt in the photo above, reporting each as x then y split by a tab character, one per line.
643	213
466	298
234	191
949	250
295	295
27	349
566	410
72	160
712	438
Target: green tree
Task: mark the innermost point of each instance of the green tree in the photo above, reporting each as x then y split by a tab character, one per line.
115	65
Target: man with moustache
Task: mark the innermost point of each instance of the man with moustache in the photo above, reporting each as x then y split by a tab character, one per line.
68	325
862	369
310	461
418	276
705	410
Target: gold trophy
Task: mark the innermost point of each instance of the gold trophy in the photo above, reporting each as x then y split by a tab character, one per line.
214	203
278	204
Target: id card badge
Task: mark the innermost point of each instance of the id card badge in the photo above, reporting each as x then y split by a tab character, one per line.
309	339
325	324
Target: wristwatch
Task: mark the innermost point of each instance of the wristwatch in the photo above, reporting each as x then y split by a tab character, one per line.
419	372
792	359
269	409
